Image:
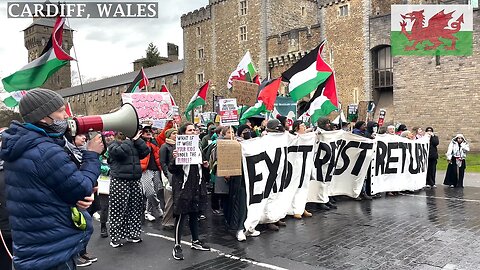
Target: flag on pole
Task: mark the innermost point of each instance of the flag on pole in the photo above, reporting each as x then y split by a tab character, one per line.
307	74
165	90
12	99
198	99
266	99
245	71
432	30
140	82
323	102
35	73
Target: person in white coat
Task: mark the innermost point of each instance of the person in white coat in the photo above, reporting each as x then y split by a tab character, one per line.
456	155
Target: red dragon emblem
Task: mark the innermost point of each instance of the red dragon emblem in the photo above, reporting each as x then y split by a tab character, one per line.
438	28
240	76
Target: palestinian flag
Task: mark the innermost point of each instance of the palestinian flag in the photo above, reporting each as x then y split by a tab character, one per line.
256	79
165	90
323	102
12	100
432	30
307	74
140	82
198	99
266	100
245	71
35	73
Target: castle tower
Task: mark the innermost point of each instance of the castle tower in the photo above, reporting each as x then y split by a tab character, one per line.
217	36
36	37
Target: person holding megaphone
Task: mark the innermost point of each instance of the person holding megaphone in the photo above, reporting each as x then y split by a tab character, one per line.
44	185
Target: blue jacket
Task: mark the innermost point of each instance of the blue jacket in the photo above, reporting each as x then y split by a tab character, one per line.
42	184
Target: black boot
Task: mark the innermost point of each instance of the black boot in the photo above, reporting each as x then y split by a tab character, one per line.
103	231
323	206
366	197
331	205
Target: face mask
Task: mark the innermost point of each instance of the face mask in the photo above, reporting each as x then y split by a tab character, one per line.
59	126
247	135
375	129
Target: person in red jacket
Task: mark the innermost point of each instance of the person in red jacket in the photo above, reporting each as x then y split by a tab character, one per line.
161	138
151	181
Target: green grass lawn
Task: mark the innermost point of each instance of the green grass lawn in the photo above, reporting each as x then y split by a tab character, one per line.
473	162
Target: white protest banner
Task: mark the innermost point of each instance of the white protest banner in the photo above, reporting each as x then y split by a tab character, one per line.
341	162
399	164
300	166
150	105
188	151
273	167
228	112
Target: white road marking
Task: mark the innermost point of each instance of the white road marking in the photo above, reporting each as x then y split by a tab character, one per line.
445	198
220	253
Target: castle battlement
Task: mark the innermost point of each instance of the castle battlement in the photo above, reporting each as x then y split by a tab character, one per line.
196	16
213	2
325	3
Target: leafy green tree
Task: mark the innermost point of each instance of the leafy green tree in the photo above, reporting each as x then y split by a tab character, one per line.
153	56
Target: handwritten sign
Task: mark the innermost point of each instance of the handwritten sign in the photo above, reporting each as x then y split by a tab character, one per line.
228	112
150	105
229	157
188	150
245	92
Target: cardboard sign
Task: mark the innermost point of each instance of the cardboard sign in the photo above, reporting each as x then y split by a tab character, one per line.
188	150
228	112
229	158
245	92
150	105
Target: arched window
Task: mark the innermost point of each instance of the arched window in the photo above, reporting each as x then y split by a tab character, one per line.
382	67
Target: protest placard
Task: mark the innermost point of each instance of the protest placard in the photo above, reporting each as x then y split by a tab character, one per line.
245	92
150	105
229	158
188	150
228	112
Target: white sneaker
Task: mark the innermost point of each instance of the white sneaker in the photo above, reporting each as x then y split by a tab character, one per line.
241	236
96	216
253	233
149	217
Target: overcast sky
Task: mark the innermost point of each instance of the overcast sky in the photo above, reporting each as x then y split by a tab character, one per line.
105	47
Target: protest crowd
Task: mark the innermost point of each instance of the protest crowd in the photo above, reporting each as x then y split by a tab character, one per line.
137	180
255	172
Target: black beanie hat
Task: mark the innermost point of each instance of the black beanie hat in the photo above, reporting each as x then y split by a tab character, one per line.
241	128
39	103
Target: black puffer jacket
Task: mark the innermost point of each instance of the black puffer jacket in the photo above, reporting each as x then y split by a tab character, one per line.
4	225
125	158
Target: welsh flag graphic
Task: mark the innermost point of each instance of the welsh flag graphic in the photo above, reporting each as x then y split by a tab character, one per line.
432	30
245	71
35	73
